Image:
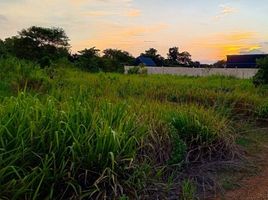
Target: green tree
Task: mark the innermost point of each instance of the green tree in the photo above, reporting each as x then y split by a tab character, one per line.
35	43
261	78
89	53
46	36
89	59
115	60
123	57
3	50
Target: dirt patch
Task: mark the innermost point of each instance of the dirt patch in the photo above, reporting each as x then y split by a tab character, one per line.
254	187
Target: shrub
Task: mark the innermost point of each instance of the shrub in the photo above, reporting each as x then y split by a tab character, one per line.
199	133
262	111
133	70
45	62
22	74
138	70
261	78
179	150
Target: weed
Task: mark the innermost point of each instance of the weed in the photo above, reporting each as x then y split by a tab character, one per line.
188	190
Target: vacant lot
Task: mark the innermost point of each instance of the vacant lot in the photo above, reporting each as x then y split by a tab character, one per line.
69	134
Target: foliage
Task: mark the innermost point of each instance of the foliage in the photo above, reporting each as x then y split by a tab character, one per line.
89	136
196	129
174	58
173	55
47	45
121	57
262	111
185	58
46	36
152	53
45	62
141	69
179	150
21	74
35	43
261	78
220	64
88	59
113	60
188	190
3	51
52	148
134	70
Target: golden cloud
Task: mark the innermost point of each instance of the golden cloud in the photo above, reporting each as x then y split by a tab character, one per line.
133	13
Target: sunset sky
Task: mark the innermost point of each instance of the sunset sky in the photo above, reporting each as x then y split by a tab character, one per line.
208	29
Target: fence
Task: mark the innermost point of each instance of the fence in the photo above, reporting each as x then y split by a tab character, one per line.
188	71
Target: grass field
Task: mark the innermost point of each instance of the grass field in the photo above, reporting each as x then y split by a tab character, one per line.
69	134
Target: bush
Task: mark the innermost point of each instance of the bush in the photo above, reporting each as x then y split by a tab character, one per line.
133	70
138	70
45	62
199	134
262	111
22	74
261	78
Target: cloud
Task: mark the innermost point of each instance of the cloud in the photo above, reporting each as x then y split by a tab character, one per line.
252	50
98	13
130	38
102	13
3	18
133	13
142	30
224	11
218	45
238	36
265	43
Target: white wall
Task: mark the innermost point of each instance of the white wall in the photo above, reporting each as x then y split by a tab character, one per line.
188	71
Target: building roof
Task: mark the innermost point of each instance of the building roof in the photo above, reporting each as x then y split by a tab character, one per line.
243	61
145	60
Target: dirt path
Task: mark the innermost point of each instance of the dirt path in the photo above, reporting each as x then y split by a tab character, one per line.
252	188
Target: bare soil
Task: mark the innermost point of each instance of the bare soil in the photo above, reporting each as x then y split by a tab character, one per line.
254	187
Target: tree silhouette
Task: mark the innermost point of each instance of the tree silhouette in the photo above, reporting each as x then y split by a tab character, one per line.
173	54
35	43
185	58
152	53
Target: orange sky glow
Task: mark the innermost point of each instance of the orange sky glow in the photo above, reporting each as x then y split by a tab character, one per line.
209	30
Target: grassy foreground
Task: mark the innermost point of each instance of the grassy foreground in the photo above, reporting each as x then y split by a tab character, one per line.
68	134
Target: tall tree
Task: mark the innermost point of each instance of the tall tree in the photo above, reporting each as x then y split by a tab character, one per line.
89	59
173	54
115	59
89	53
35	43
3	50
185	58
152	53
119	55
46	36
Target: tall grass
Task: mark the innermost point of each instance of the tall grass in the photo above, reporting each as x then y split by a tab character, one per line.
67	134
73	148
19	75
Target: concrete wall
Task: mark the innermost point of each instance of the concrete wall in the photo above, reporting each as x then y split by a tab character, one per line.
188	71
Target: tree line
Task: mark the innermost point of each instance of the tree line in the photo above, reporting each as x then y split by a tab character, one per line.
47	45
